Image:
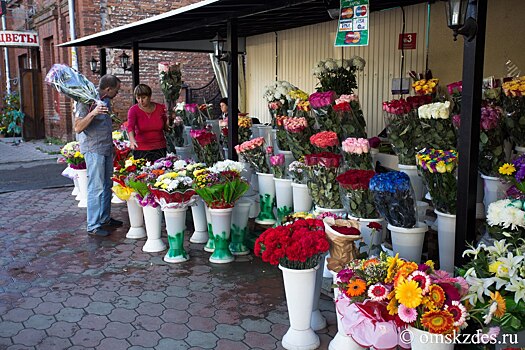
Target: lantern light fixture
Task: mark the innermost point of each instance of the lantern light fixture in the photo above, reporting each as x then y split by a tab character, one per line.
125	63
458	19
218	48
93	65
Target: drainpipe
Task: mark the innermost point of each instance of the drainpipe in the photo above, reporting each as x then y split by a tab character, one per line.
74	57
6	60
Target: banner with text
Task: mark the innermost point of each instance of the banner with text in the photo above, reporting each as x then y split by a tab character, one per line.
19	39
353	23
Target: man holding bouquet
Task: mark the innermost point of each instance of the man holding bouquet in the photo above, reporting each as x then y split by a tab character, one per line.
93	125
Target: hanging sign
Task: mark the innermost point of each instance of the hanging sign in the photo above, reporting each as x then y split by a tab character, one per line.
353	23
19	39
407	41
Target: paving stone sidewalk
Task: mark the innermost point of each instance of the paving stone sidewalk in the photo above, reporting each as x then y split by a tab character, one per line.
12	151
62	289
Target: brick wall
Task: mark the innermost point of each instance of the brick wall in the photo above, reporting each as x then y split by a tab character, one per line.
51	20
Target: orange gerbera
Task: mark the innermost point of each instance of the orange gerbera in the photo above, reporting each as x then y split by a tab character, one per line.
436	295
355	288
404	270
502	306
440	322
157	172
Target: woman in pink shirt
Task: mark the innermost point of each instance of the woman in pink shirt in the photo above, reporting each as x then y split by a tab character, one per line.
147	121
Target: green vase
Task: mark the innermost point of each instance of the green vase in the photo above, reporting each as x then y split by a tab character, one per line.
267	199
175	224
239	227
210	245
221	221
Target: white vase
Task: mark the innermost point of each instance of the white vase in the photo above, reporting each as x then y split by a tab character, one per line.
75	188
82	187
284	198
266	199
214	124
255	207
221	220
239	227
494	189
266	132
187	137
408	242
302	201
340	211
299	286
175	225
422	208
136	219
369	238
423	340
341	341
185	152
519	150
210	244
153	223
318	321
446	228
415	180
373	154
114	198
200	224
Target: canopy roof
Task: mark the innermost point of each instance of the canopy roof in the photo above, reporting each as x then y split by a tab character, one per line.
190	28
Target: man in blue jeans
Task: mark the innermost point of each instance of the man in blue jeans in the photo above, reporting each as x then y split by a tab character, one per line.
93	124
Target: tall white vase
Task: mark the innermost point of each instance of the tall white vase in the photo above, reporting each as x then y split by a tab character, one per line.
267	199
408	242
82	187
239	228
415	180
200	224
494	189
423	340
446	227
75	188
302	201
153	223
136	219
284	198
247	173
221	220
187	137
519	150
341	341
266	132
185	152
318	321
370	238
175	225
299	286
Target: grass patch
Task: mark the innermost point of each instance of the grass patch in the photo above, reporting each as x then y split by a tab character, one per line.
55	141
47	152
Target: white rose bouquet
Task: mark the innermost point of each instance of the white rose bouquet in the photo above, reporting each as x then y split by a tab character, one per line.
437	125
338	75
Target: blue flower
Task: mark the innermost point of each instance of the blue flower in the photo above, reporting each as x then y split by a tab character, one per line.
392	181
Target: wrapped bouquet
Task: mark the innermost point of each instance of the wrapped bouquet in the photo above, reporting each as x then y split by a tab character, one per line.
514	106
325	116
325	141
506	219
322	170
298	134
356	154
514	173
206	146
170	83
338	75
297	171
278	166
72	156
437	125
356	195
254	152
352	120
439	173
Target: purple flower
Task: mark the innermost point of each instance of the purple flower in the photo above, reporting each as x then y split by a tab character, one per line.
191	107
321	99
277	160
345	275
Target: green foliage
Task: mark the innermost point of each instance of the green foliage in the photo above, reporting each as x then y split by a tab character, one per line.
11	118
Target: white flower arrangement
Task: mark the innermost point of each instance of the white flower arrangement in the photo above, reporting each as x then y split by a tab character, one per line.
227	165
437	110
278	91
173	181
330	65
503	214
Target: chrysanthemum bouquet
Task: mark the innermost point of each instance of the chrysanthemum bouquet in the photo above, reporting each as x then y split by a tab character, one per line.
298	246
325	141
72	156
394	198
496	276
299	102
206	146
514	106
298	135
322	170
277	163
437	126
297	171
221	185
338	75
356	154
514	173
506	219
325	116
353	122
438	169
173	190
253	151
355	194
403	127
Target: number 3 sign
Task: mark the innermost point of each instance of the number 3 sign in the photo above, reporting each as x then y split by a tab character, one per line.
407	41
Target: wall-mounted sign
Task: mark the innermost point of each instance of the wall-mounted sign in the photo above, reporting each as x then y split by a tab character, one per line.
353	23
20	39
407	41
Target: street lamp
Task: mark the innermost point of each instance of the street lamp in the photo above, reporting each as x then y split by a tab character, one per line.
125	62
93	65
218	48
457	20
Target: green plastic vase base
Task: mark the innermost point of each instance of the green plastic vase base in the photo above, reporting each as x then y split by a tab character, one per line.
176	252
210	245
282	212
239	249
266	216
221	254
238	235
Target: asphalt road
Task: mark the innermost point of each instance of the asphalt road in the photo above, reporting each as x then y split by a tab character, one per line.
32	176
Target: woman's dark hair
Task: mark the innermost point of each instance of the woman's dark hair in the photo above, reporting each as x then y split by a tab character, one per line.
224	100
142	90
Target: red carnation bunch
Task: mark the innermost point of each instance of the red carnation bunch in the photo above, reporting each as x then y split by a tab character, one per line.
355	179
297	246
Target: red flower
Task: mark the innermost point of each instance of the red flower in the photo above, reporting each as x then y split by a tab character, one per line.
347	231
375	226
342	107
355	179
326	159
324	139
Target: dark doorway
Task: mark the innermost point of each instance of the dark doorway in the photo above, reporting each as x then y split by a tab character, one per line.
31	104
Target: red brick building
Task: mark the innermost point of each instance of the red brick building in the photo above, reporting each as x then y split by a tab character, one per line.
49	114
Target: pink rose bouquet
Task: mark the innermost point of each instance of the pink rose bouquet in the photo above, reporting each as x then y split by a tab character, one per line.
297	134
254	152
356	153
326	118
278	165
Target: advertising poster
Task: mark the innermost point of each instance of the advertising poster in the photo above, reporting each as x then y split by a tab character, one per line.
353	23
